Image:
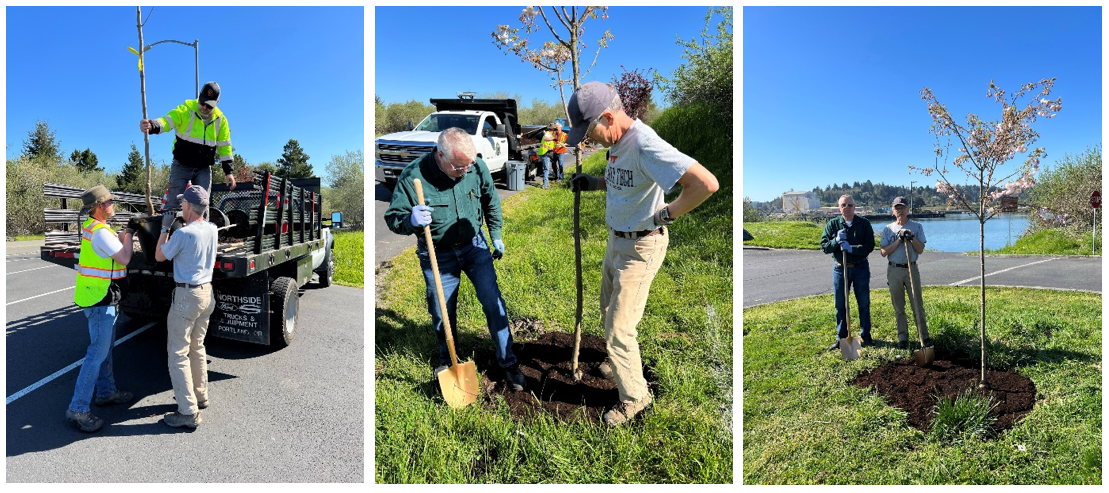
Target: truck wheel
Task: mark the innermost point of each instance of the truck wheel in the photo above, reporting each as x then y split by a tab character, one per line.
328	273
284	319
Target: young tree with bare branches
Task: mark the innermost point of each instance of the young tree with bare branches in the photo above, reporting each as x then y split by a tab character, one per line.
984	147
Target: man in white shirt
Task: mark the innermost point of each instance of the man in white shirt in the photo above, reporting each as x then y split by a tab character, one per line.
641	169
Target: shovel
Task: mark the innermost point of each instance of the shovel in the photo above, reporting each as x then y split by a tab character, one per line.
459	383
850	347
925	355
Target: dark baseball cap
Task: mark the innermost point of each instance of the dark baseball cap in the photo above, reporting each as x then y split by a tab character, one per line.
899	201
209	94
195	195
586	104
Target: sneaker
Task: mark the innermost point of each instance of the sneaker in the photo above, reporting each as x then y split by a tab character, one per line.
902	345
85	421
202	404
118	397
605	369
178	420
834	346
625	411
514	377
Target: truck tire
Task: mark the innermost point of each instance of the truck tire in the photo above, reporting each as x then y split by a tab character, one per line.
328	272
286	304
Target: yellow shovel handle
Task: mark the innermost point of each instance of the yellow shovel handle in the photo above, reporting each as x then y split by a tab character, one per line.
438	283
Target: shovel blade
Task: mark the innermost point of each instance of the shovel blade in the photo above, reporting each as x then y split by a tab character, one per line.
925	356
459	384
851	348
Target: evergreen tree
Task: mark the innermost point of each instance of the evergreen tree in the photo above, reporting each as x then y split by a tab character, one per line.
293	162
132	178
84	160
41	142
266	166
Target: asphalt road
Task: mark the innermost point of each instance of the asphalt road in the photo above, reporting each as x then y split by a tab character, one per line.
771	275
291	415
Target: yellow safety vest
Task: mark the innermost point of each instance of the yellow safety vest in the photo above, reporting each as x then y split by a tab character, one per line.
94	273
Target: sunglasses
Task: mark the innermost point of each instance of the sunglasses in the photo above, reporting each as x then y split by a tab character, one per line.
206	105
844	206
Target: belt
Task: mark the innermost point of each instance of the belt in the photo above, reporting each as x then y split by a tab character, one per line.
447	246
850	264
190	286
903	266
639	234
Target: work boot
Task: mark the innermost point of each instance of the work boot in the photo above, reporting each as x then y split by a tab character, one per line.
85	421
605	369
203	404
177	420
834	346
867	341
928	342
117	397
514	377
902	344
624	411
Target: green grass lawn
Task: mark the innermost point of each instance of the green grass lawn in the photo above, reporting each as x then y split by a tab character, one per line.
797	235
805	422
28	237
1052	242
685	337
350	258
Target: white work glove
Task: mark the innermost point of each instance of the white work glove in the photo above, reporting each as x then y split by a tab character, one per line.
421	216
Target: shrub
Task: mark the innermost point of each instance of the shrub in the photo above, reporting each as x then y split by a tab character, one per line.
963	418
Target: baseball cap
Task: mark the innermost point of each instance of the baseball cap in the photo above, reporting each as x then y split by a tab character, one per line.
586	104
899	201
195	195
209	94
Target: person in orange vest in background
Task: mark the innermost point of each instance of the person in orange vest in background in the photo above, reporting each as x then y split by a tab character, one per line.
101	269
551	150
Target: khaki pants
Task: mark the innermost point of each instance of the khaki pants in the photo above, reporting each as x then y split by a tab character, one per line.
898	280
628	269
188	362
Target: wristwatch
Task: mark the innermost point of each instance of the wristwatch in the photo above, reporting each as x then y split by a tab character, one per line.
165	230
664	216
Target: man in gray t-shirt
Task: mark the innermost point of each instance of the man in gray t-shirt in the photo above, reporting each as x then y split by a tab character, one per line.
902	272
641	168
193	251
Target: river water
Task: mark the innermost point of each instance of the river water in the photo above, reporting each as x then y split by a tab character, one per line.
959	232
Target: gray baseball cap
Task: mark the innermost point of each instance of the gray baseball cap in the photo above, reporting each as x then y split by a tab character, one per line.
899	201
195	195
586	104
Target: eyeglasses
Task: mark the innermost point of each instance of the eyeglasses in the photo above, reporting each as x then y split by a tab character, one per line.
458	168
844	206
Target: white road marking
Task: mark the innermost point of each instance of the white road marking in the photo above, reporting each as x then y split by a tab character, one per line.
75	364
29	270
1000	271
41	295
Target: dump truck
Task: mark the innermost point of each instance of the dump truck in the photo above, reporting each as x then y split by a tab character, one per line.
272	242
493	125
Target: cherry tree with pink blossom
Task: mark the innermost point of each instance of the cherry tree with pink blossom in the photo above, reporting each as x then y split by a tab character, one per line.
984	147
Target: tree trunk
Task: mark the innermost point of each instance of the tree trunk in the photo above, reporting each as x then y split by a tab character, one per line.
142	87
982	282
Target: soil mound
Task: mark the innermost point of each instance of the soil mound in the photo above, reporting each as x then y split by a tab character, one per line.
917	389
545	363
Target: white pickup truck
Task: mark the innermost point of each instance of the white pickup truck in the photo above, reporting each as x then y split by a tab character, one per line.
491	123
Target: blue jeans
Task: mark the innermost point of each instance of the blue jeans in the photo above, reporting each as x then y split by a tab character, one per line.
546	166
858	278
96	370
558	166
475	260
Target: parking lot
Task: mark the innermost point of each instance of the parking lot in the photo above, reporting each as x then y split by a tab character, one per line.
289	415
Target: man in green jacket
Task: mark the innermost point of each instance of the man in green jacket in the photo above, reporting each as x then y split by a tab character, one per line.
460	196
853	234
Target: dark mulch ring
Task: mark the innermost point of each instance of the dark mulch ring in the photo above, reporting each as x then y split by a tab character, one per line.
551	389
916	389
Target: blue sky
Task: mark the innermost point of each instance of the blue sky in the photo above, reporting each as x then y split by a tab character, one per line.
285	73
832	95
451	50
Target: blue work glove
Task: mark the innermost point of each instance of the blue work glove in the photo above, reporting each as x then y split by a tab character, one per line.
842	236
421	216
498	249
846	246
